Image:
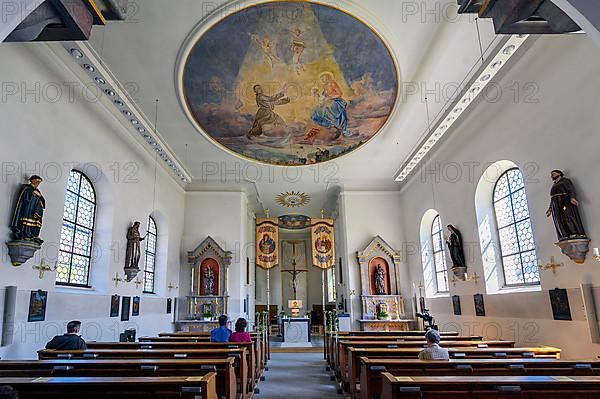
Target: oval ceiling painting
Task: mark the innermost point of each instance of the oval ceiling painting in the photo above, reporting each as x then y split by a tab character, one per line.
290	83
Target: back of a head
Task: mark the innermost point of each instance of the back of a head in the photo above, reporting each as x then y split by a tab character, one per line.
222	320
8	392
73	326
241	324
433	336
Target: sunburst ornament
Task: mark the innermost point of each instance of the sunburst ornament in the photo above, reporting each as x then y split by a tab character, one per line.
292	199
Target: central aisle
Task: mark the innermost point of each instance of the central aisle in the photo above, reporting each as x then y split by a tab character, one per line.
297	376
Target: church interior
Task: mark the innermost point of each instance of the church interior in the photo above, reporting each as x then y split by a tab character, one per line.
302	199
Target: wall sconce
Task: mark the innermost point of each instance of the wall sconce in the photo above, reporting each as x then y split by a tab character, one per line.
596	254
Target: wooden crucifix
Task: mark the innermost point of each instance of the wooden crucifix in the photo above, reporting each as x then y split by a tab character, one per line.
294	272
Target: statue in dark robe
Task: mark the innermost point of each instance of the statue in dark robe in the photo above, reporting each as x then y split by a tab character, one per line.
564	208
29	210
133	251
380	281
455	247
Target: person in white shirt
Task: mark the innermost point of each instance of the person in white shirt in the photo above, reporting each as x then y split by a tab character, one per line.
433	351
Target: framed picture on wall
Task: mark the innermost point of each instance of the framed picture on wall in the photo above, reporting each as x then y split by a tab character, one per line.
479	306
115	301
125	305
169	305
135	311
456	305
37	305
559	300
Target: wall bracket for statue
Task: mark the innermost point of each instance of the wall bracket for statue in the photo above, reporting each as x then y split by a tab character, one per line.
575	249
26	222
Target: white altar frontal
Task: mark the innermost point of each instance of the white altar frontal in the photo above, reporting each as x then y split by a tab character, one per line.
295	332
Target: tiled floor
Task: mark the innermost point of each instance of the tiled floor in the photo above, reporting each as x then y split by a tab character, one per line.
297	376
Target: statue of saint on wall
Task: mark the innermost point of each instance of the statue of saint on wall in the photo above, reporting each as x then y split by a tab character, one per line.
380	280
208	280
29	210
133	251
455	247
564	208
26	222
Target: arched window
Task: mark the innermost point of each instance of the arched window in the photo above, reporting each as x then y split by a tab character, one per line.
439	255
77	232
150	262
517	246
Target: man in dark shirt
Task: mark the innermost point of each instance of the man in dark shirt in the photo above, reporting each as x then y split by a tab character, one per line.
221	333
69	341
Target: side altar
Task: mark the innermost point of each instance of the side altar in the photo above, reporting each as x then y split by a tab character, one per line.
381	300
208	296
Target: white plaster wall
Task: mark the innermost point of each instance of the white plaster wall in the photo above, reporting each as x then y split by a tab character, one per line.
558	129
46	134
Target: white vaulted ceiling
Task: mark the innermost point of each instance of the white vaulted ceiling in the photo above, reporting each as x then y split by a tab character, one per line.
432	47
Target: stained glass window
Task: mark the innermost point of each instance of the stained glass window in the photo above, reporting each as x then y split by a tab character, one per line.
150	262
517	246
439	255
77	232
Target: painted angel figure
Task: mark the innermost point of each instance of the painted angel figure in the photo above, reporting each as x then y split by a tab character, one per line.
298	47
268	48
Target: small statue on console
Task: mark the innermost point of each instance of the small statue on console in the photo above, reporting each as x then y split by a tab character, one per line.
29	210
457	253
380	281
564	208
133	251
26	222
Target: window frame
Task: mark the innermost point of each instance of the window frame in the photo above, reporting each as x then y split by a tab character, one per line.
513	225
437	219
76	225
147	252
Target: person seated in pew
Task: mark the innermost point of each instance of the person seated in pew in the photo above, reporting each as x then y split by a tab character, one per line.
240	334
69	341
221	333
8	392
433	351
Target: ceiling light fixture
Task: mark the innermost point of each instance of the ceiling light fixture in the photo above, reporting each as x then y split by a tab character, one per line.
483	79
88	60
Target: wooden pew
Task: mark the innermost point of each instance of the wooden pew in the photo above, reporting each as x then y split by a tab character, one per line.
250	346
481	387
351	374
240	354
259	349
264	340
258	338
224	369
333	355
342	346
371	369
331	337
114	387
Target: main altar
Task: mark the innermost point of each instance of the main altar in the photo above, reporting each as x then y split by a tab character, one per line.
208	295
381	300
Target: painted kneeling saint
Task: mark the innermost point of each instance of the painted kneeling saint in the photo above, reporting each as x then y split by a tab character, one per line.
266	114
